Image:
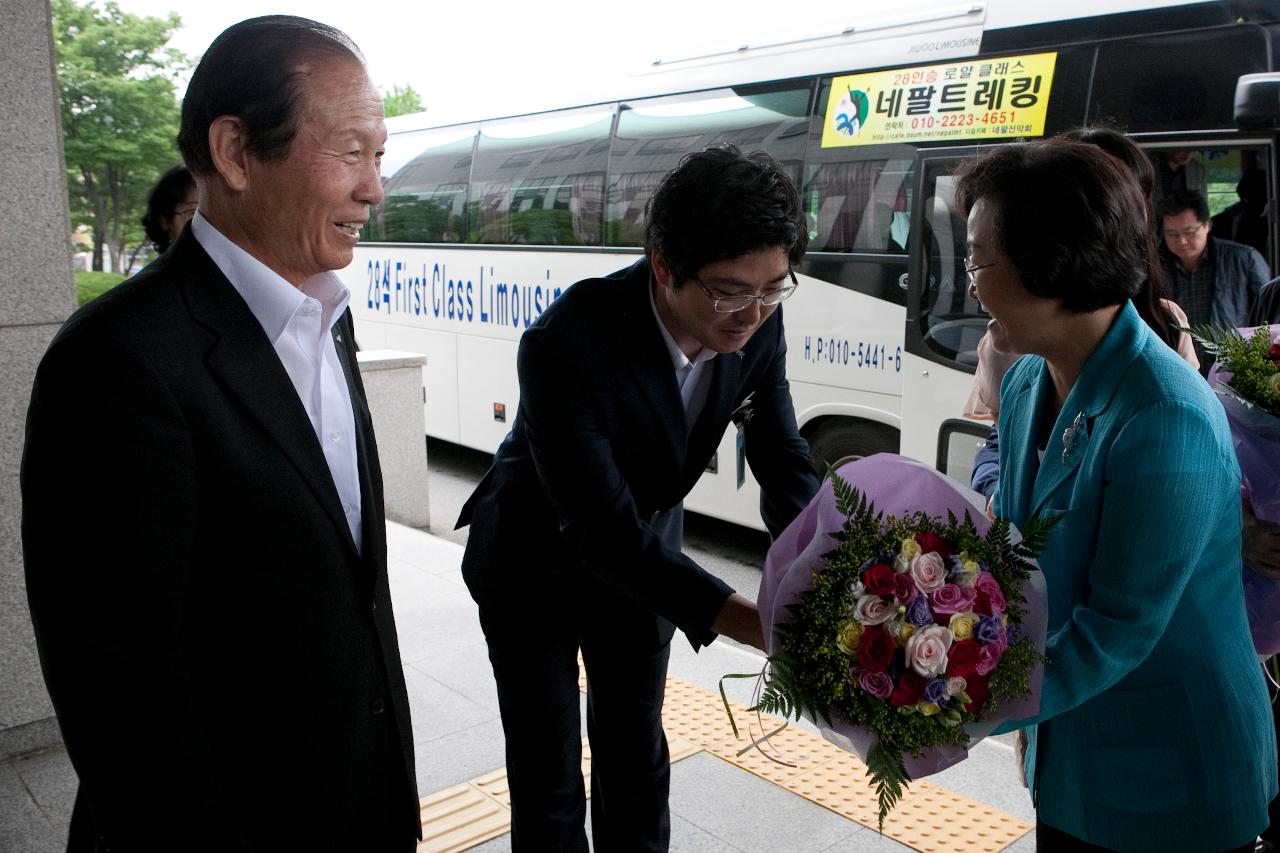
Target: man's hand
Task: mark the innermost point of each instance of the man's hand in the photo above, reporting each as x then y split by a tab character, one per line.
739	619
1259	545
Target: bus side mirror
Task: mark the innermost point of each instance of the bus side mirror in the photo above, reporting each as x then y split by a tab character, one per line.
1258	101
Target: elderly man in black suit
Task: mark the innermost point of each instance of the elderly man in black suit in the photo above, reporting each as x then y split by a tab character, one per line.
627	384
202	505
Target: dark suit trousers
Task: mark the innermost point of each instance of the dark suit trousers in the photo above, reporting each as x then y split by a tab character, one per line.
533	645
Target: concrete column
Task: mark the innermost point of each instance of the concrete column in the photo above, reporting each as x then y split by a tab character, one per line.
36	295
393	384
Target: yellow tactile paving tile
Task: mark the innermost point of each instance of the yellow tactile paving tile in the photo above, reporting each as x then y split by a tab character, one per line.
935	820
460	818
928	818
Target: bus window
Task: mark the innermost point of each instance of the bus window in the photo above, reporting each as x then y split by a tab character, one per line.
951	321
540	181
425	197
857	197
653	135
1175	82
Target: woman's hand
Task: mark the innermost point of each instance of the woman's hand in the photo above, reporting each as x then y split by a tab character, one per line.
1260	545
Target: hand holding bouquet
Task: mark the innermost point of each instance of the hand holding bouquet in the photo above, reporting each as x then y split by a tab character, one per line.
901	620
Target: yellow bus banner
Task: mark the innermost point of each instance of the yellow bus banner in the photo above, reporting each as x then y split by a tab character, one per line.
1002	98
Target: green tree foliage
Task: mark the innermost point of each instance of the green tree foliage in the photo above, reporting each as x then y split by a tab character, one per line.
402	101
119	116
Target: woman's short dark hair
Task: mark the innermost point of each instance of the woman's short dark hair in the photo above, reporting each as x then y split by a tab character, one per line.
720	203
172	188
1070	217
254	71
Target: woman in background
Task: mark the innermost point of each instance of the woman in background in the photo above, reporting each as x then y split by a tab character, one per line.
170	207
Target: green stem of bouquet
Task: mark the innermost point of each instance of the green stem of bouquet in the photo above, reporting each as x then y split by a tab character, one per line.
888	774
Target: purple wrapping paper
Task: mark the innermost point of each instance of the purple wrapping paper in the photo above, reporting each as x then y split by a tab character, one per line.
1256	435
897	486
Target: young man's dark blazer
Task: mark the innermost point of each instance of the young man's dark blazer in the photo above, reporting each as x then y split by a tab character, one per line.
595	365
222	660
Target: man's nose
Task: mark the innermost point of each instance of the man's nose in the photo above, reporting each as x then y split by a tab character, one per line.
370	189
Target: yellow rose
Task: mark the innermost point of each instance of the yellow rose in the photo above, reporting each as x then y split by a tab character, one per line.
962	625
910	548
927	708
905	630
850	634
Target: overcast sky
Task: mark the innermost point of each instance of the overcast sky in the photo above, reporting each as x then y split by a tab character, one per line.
452	51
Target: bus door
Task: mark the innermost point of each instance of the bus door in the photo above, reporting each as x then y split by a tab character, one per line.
943	324
1235	173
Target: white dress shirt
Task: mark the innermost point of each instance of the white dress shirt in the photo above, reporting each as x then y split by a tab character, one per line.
299	325
693	380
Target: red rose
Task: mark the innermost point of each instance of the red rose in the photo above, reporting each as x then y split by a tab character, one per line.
1274	352
904	589
933	542
875	652
978	689
982	604
962	659
879	579
909	691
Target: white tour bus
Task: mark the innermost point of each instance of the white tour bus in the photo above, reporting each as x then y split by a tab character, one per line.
486	222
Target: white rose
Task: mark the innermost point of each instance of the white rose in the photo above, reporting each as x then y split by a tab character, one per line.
901	564
928	571
927	650
874	610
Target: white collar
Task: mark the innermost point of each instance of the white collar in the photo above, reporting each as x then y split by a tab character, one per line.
271	299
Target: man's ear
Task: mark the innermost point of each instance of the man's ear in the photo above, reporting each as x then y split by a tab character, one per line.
661	271
227	149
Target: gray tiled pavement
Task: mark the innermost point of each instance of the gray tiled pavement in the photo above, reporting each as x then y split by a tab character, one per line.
716	808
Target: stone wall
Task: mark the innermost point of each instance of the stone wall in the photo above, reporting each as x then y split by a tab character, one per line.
36	295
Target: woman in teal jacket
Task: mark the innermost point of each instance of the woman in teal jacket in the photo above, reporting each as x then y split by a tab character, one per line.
1154	730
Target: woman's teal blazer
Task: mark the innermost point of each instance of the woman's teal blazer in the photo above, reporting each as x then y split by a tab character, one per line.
1154	731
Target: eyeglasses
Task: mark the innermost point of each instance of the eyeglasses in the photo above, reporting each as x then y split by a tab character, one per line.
1185	233
971	268
733	304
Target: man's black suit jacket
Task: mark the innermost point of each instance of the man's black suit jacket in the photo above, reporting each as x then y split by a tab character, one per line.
222	660
600	449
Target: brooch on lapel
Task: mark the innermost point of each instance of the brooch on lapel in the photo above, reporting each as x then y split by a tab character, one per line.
1071	435
740	353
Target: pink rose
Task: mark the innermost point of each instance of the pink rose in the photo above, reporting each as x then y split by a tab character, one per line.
874	610
949	598
928	571
878	684
988	657
927	650
987	583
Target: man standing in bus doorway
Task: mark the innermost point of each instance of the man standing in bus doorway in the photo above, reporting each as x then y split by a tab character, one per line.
1213	280
203	519
627	384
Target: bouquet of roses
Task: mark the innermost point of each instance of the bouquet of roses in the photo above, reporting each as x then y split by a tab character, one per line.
1246	376
901	620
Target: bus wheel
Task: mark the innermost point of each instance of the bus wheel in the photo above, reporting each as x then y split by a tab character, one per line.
838	440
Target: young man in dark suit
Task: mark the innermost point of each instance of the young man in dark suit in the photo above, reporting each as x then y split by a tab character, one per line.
627	384
202	504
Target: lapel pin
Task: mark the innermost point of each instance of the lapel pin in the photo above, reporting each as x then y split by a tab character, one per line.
1071	435
740	354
